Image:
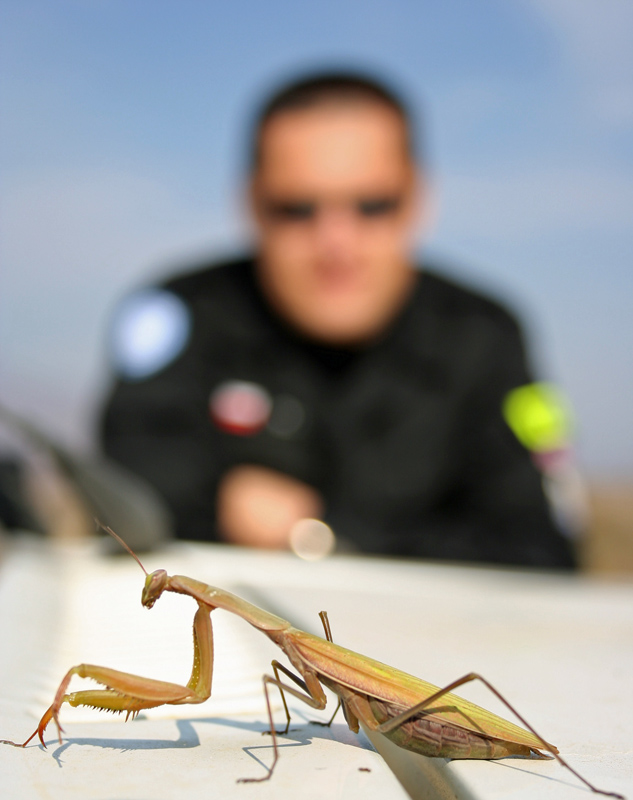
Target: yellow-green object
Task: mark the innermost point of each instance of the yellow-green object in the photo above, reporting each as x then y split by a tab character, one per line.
539	415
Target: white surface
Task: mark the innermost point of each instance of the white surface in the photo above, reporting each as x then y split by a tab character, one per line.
561	649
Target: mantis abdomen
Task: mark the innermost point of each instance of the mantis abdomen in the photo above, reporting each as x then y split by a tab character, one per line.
428	736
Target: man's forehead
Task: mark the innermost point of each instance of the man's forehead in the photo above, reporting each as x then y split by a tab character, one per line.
335	142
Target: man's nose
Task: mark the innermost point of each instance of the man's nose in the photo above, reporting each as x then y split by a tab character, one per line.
336	226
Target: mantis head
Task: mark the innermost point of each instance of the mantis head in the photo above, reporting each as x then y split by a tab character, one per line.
155	584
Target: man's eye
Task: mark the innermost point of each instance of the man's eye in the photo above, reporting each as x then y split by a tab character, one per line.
378	206
290	211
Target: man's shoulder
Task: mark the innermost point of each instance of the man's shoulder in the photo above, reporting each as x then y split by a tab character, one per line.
450	299
468	331
209	278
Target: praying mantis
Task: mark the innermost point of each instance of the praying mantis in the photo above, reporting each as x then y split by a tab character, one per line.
409	711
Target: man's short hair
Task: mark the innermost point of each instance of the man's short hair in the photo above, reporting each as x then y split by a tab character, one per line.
325	88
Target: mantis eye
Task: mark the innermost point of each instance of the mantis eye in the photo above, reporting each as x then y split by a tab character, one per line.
155	584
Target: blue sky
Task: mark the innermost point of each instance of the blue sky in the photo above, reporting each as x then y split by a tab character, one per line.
121	150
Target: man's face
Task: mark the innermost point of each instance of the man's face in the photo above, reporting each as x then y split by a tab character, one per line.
334	198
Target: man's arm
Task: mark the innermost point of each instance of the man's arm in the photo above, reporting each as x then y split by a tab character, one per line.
503	486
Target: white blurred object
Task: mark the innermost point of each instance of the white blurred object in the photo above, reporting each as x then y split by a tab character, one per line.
312	539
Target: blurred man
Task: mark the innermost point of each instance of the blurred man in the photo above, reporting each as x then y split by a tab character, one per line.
327	377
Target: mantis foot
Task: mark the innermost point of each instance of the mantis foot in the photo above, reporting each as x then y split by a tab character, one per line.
51	713
275	733
254	780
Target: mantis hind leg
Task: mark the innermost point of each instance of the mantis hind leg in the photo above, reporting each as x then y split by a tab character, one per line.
400	719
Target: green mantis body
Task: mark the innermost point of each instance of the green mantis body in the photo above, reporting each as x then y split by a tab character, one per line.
411	712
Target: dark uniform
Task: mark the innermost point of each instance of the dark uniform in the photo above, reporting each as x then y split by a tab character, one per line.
404	438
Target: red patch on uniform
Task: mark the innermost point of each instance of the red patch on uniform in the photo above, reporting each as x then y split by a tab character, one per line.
240	407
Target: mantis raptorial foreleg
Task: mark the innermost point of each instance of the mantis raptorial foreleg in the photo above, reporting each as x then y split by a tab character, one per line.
130	693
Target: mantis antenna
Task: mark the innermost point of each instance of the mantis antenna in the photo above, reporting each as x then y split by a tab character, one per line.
116	536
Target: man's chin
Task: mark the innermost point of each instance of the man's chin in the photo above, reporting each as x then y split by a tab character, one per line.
339	328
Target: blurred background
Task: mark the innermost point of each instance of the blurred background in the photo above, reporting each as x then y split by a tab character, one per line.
124	126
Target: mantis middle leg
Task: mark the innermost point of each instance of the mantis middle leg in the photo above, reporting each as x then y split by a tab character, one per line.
313	695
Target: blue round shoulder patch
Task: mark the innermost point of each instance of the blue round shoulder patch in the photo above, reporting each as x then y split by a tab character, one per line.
151	328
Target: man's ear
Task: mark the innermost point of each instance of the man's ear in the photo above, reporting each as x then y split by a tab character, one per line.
252	197
423	203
